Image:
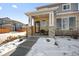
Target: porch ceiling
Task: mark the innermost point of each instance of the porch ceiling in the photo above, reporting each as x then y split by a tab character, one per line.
41	16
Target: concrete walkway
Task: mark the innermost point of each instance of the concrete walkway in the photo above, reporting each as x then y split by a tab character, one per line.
24	48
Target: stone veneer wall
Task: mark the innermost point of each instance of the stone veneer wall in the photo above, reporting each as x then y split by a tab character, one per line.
77	22
51	31
29	31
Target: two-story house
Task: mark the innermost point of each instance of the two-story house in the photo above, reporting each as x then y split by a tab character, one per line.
55	19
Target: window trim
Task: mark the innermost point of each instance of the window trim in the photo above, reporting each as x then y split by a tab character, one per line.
66	9
75	20
66	24
78	6
68	21
56	23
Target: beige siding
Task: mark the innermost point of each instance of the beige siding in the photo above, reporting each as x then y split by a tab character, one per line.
78	21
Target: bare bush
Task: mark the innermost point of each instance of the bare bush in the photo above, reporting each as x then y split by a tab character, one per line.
74	34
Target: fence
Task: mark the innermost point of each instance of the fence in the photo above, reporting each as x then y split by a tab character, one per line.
5	30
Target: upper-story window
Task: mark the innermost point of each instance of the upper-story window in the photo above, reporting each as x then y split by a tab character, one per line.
78	6
66	7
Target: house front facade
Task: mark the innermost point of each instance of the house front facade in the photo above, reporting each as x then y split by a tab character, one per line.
54	19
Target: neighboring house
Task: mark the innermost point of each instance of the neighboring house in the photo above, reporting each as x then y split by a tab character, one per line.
56	19
23	28
20	27
9	25
1	23
17	26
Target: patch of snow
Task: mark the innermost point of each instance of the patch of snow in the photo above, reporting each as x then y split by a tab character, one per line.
18	43
65	47
10	46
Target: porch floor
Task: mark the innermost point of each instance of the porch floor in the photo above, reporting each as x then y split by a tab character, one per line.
39	35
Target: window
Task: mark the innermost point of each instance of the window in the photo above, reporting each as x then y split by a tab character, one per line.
43	23
72	22
58	23
78	6
62	23
66	7
66	23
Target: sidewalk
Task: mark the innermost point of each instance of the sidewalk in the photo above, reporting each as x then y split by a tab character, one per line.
24	48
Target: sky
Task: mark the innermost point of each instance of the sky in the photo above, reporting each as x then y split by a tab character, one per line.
16	11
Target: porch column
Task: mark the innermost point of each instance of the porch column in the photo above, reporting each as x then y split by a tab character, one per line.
51	24
29	26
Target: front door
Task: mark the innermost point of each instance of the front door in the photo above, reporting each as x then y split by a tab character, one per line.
37	27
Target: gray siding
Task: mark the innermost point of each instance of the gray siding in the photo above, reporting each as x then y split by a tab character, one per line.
74	7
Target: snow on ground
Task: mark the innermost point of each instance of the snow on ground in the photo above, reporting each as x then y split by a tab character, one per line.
10	46
4	36
65	47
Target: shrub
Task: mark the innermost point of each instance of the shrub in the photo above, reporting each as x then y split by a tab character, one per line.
56	44
20	40
42	31
9	39
74	34
48	40
19	36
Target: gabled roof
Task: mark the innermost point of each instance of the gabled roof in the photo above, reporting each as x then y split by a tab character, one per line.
48	6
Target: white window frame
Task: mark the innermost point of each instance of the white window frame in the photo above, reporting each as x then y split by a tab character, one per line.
68	21
66	9
75	20
78	6
43	23
56	22
65	25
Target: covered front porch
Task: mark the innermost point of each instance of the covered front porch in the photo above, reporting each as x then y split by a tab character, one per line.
41	23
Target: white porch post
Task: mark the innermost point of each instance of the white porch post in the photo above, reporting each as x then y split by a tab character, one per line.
29	25
51	24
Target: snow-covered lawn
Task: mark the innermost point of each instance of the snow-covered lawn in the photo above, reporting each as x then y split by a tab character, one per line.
4	36
65	46
10	46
